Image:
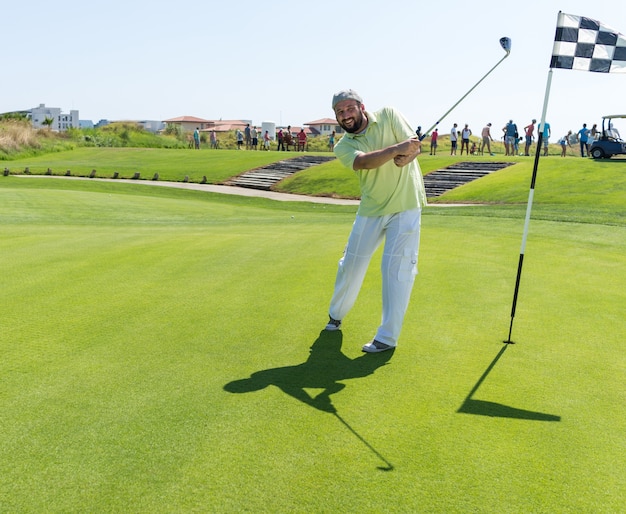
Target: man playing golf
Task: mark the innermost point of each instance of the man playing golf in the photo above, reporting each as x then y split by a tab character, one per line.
381	148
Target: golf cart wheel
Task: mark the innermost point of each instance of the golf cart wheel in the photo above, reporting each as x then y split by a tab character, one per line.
597	153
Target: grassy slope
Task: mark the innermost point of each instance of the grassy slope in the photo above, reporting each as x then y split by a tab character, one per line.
571	188
128	309
170	164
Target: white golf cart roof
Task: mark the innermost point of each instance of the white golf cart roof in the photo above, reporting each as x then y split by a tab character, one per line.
614	116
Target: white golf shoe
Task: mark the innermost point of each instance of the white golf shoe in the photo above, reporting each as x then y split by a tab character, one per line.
376	346
333	324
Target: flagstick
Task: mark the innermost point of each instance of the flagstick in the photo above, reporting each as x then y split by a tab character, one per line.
529	205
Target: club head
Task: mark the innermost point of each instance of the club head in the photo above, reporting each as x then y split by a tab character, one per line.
505	43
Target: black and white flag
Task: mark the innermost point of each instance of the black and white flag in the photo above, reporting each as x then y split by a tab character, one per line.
584	44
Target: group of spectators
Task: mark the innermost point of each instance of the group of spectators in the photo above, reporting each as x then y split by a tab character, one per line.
284	139
512	139
196	139
250	136
584	137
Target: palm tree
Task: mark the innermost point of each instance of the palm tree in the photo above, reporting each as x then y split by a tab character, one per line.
48	122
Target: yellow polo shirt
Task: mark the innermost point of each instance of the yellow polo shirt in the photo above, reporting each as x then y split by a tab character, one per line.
387	189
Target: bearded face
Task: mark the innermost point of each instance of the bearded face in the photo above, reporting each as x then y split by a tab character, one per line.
350	116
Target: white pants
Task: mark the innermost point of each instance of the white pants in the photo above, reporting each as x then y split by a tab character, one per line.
401	232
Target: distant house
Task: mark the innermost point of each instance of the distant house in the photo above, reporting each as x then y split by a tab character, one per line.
60	122
226	125
324	127
189	123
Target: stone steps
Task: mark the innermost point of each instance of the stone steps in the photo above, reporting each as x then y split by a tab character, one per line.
437	182
441	181
265	177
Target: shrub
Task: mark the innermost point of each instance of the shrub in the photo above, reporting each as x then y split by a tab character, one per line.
16	134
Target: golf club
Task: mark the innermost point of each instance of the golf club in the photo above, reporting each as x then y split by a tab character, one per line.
505	43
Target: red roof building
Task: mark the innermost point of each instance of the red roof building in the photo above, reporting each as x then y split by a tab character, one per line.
324	127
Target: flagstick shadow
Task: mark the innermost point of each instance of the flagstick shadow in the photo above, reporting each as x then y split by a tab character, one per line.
388	465
325	369
492	409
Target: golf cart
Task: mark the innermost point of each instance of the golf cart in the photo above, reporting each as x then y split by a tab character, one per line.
610	142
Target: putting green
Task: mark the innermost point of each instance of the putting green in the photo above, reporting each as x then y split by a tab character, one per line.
162	351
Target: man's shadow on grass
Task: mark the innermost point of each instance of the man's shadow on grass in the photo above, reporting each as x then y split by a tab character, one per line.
325	368
484	408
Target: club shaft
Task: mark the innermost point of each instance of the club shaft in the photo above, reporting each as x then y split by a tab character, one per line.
464	96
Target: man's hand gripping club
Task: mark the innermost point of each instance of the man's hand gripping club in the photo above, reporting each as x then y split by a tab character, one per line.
402	154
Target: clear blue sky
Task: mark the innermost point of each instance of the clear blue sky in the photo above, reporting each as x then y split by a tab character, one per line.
282	61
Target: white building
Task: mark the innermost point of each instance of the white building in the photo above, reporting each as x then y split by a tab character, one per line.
152	125
60	122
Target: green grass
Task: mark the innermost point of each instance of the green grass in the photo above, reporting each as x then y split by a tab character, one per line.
572	189
156	355
170	164
575	189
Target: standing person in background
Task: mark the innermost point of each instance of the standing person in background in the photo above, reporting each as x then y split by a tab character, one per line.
301	140
239	139
510	135
593	134
288	137
453	139
545	136
583	135
465	138
529	132
381	148
433	142
571	139
487	139
196	138
266	140
564	142
247	136
331	141
254	134
280	139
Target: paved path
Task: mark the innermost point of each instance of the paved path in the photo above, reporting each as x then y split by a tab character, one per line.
211	188
232	190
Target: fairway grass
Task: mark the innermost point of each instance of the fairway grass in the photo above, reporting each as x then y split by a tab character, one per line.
162	352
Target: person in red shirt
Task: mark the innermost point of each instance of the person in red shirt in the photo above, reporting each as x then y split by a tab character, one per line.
433	142
301	140
529	133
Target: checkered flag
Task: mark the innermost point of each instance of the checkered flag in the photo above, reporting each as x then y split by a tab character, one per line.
587	45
